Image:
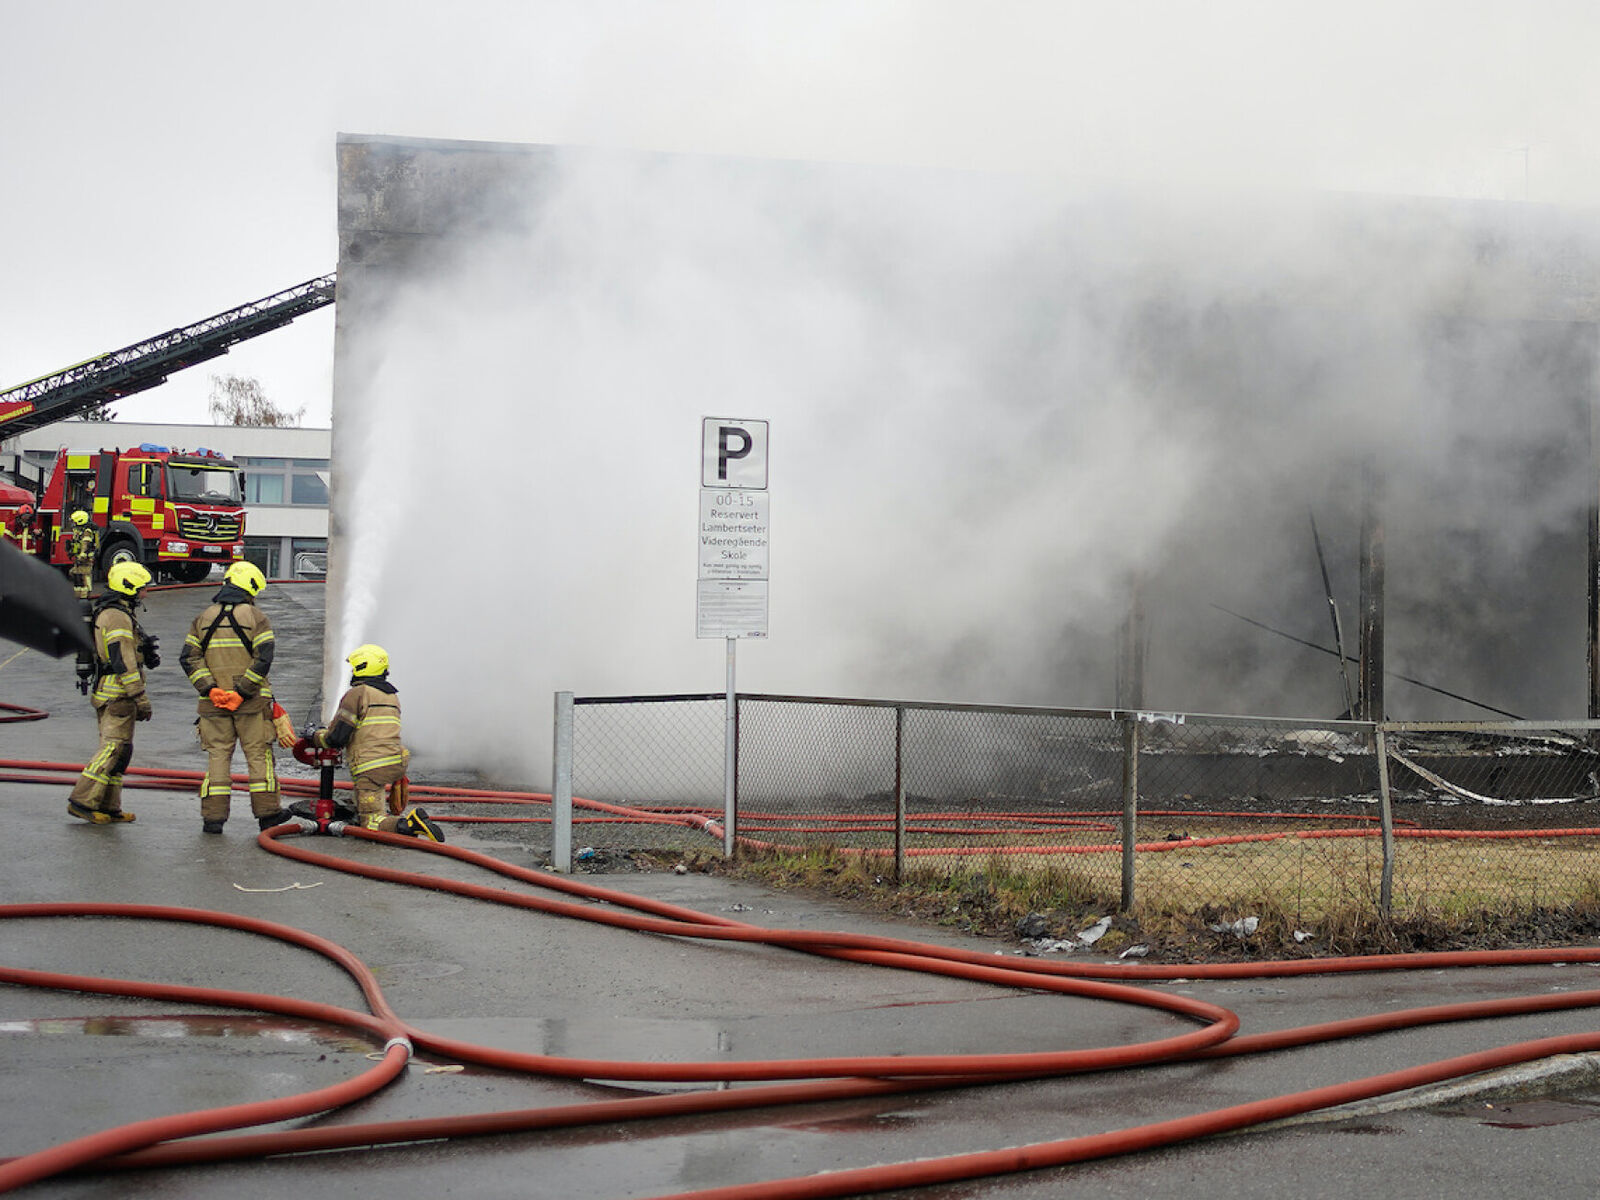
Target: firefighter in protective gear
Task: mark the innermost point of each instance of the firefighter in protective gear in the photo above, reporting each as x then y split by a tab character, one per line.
367	729
118	697
83	544
22	527
227	655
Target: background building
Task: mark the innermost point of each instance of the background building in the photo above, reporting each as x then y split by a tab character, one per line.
285	479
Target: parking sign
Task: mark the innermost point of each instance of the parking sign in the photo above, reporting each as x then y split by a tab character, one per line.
733	453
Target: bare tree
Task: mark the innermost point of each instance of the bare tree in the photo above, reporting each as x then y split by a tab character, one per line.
100	412
240	400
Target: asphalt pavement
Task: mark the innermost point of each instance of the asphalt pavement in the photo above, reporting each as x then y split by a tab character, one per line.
74	1063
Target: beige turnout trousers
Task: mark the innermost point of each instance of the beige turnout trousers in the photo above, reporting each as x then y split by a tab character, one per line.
372	811
100	784
251	728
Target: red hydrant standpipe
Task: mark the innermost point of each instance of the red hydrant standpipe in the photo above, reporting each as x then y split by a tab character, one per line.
325	760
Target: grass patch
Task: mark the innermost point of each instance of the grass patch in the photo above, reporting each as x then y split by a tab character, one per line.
978	896
1309	897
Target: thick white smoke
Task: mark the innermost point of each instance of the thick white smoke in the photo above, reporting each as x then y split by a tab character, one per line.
992	406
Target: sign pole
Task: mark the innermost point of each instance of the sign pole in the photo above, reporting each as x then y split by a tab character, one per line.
731	591
730	760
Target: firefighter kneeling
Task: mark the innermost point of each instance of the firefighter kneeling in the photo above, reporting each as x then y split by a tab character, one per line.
367	729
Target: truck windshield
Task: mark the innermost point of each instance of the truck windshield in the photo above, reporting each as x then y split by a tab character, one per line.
202	485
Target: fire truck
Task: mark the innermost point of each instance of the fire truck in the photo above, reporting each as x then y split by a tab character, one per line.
179	512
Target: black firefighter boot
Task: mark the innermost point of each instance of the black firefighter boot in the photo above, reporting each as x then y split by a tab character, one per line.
111	805
417	823
93	815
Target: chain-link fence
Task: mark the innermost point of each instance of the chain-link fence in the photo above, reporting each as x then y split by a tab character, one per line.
1178	811
1490	813
646	773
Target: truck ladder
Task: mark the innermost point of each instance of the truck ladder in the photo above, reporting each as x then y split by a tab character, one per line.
145	364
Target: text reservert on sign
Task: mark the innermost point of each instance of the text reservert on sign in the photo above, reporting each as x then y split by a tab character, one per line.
734	535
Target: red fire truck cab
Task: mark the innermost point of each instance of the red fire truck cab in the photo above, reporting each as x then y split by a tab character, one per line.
179	512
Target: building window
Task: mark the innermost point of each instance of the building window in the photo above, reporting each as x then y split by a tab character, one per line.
264	553
302	481
262	489
308	489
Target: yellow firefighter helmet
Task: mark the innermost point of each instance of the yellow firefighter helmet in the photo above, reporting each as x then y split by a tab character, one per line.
368	662
128	578
245	574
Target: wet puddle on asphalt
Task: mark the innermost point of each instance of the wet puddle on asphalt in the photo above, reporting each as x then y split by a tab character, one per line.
172	1027
1526	1114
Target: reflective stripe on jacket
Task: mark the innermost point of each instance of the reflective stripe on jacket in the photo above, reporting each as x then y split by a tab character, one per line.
85	542
227	662
367	726
116	648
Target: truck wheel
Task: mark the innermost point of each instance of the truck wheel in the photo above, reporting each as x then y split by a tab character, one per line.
189	572
119	551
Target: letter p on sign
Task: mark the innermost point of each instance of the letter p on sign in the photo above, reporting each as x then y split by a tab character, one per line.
733	453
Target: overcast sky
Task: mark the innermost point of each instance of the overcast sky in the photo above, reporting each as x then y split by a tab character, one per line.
167	160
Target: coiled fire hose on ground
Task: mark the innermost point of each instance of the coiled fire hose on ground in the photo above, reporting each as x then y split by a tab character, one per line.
174	1140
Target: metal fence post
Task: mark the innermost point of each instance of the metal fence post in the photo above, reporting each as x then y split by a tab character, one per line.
1386	817
561	787
730	758
899	792
1130	802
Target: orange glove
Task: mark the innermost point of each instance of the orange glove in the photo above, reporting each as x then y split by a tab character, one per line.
225	700
284	728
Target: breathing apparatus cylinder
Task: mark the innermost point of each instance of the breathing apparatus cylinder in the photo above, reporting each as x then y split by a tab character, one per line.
85	664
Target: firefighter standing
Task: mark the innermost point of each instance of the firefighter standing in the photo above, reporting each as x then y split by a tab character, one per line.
227	655
121	653
83	544
367	728
22	527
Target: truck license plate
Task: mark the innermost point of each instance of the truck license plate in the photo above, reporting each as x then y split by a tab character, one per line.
211	549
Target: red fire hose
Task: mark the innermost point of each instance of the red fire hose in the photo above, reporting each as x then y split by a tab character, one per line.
173	1140
381	1023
